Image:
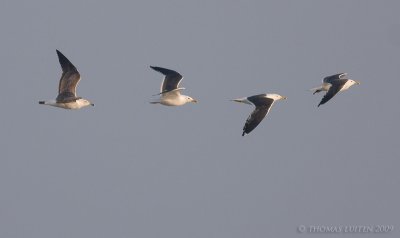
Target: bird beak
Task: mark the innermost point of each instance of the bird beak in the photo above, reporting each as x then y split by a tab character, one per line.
236	100
92	104
358	83
283	97
194	101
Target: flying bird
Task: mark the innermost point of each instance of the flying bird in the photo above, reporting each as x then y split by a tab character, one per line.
67	97
263	103
170	92
334	84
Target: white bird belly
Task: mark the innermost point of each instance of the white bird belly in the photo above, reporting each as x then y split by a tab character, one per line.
68	105
170	102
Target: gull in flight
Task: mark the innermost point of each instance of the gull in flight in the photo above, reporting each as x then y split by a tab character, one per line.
67	97
334	84
170	92
263	103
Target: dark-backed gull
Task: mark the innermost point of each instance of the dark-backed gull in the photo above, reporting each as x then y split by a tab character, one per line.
67	97
263	103
170	93
334	84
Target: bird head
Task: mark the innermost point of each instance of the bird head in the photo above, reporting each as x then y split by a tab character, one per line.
276	96
85	102
189	99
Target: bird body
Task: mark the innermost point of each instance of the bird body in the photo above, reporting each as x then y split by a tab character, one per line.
173	98
77	104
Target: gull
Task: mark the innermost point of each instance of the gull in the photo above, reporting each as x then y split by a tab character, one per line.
334	84
263	103
170	93
67	97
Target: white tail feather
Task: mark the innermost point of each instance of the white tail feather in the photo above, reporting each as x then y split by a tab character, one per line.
315	89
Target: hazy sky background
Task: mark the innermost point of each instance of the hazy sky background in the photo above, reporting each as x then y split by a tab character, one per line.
126	168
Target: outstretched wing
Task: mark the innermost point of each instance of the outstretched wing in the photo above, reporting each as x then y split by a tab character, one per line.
171	80
330	79
333	90
257	116
69	79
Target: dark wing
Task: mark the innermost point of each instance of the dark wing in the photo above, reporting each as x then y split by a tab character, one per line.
333	90
257	115
330	79
171	80
69	79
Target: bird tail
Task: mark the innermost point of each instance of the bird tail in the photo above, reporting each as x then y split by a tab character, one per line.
316	90
155	101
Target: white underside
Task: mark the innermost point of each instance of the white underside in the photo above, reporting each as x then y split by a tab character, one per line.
70	105
173	98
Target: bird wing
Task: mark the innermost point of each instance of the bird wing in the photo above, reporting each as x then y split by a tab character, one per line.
333	90
69	78
257	116
171	80
330	79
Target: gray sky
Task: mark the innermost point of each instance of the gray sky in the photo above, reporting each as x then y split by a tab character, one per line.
126	168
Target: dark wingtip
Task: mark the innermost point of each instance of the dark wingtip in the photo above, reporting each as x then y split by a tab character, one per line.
66	65
41	102
155	68
244	133
62	57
